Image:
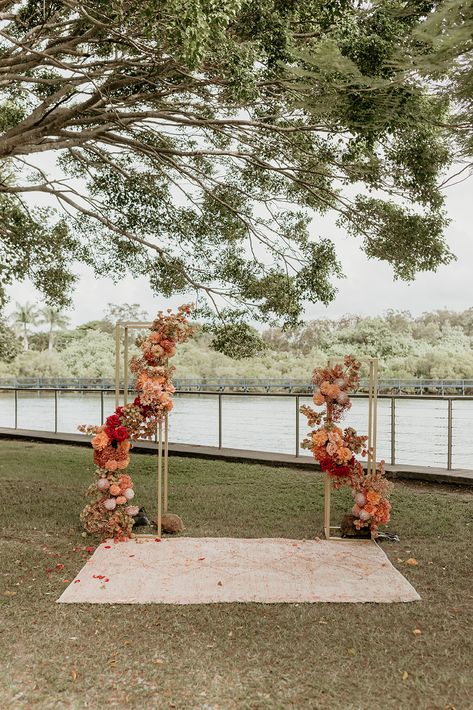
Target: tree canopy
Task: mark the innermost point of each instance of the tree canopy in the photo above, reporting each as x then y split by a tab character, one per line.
194	141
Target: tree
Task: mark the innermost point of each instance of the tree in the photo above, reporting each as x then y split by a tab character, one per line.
9	346
195	139
446	61
55	320
24	317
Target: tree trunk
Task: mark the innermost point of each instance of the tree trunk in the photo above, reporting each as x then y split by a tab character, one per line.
50	339
25	338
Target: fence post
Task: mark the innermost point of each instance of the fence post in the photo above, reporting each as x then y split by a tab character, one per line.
55	411
449	435
220	431
16	409
297	425
393	431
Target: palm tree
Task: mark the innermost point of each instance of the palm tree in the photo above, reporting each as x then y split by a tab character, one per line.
23	317
55	319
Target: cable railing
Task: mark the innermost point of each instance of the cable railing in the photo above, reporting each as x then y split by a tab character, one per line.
419	386
421	430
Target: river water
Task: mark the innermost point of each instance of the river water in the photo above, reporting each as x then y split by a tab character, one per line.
267	423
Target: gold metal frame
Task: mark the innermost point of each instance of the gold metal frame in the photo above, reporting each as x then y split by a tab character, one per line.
162	432
372	431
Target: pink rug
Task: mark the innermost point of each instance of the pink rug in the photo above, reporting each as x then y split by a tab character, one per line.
213	570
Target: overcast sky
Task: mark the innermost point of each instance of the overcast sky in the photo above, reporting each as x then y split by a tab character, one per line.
368	288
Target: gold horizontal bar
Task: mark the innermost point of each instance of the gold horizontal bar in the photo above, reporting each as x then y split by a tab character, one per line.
133	324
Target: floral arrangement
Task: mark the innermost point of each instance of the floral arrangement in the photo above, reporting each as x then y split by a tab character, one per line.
336	449
110	514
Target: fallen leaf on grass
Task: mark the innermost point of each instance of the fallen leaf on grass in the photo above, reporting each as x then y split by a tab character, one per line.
201	558
74	675
8	593
59	566
411	561
323	622
417	632
158	661
352	651
405	675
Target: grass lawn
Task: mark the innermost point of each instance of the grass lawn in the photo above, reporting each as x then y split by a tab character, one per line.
335	656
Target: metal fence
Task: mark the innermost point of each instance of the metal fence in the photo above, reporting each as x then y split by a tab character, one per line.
413	429
231	384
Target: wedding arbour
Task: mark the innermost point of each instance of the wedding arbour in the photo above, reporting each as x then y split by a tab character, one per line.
111	513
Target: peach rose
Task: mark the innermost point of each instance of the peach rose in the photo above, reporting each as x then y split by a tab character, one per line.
324	387
333	391
319	437
344	454
115	490
332	449
100	441
111	465
121	500
373	497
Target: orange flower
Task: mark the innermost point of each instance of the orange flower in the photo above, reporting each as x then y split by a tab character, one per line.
344	454
122	463
319	399
100	441
124	446
121	500
319	437
111	465
324	387
332	391
125	482
114	489
373	497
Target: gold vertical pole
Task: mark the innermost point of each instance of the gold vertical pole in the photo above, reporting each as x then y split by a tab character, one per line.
327	492
375	410
117	365
125	366
166	467
160	474
370	418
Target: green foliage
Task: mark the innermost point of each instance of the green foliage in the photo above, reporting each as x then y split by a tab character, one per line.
32	363
203	135
9	344
36	245
435	345
237	340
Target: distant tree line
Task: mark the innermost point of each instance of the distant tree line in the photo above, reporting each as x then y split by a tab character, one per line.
437	344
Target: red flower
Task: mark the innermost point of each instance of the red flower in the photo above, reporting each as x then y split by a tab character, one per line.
113	421
119	433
